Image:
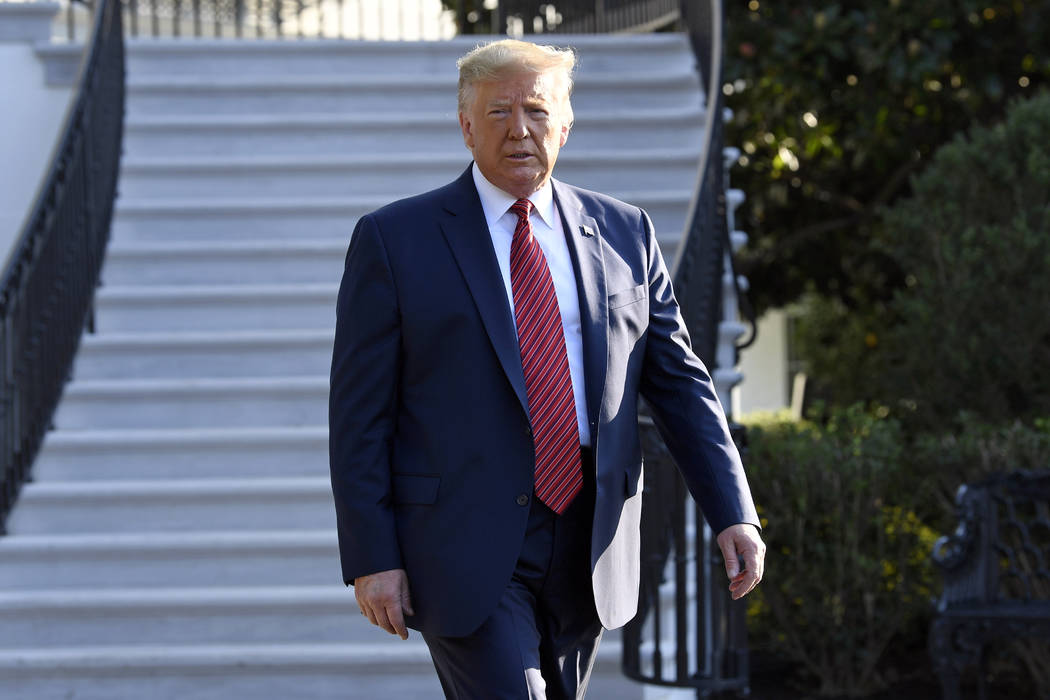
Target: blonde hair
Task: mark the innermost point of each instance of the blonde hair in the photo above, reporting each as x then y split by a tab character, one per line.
492	61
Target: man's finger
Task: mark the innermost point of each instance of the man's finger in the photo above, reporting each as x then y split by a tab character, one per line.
729	555
743	584
397	620
382	621
369	615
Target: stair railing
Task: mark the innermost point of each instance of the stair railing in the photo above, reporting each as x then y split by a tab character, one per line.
47	287
391	19
689	633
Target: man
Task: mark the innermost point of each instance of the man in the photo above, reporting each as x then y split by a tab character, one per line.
493	338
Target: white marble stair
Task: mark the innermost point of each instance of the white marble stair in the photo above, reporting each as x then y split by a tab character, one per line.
348	671
177	505
184	220
342	94
604	55
239	135
330	175
180	558
194	403
168	354
216	307
209	262
178	537
181	453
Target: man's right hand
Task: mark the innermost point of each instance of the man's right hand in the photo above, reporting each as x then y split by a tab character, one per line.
383	598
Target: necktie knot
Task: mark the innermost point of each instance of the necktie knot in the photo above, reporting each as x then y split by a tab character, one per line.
522	208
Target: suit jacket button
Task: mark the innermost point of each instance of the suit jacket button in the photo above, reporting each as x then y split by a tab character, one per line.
523	500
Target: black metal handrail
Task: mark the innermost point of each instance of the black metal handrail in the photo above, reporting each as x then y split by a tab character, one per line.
586	16
707	633
47	288
387	19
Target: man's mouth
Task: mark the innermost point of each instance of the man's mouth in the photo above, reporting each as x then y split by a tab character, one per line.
519	156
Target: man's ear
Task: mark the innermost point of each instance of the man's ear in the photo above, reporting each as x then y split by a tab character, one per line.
468	134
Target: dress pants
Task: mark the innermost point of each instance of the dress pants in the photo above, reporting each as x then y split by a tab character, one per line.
540	642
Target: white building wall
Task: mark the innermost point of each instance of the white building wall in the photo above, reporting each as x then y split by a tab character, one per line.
765	365
31	116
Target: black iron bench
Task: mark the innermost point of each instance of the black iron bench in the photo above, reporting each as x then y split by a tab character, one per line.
996	568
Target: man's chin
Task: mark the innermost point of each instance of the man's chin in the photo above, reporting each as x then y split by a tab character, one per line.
522	184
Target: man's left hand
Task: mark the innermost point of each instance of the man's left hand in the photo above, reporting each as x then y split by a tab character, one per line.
744	553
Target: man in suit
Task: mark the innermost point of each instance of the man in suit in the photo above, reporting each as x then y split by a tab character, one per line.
493	338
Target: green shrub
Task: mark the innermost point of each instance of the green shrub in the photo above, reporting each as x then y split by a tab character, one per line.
969	328
972	327
848	567
969	452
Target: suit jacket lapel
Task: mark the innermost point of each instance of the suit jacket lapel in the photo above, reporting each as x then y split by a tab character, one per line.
584	237
468	237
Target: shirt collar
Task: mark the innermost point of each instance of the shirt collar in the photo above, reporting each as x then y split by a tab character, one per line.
495	202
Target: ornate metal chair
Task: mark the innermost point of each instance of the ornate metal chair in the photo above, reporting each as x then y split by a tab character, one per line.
996	568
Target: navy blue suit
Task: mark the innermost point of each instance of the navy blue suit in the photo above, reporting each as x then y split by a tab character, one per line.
431	453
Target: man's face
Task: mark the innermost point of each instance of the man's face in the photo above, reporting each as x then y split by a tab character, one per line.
515	128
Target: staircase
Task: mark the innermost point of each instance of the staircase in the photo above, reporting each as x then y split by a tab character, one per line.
178	540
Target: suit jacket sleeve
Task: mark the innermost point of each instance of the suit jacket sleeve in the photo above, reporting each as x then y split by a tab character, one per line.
362	402
686	408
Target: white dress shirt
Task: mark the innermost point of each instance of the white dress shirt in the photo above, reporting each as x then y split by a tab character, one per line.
548	231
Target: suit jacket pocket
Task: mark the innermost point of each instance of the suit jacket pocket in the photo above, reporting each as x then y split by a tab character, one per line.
415	489
627	296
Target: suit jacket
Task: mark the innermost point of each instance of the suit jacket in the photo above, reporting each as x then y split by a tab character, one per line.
431	451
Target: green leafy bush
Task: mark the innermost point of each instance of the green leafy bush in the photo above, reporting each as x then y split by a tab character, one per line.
971	331
848	568
968	452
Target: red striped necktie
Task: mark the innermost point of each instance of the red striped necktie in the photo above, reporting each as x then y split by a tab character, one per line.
548	385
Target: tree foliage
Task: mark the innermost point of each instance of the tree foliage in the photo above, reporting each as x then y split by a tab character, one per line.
969	329
838	103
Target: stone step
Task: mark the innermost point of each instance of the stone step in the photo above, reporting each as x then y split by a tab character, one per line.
192	559
224	261
177	505
241	219
216	307
194	403
381	668
394	132
204	355
329	176
657	53
156	615
344	671
311	218
183	453
172	94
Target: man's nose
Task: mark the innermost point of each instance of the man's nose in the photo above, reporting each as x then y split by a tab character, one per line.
517	127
